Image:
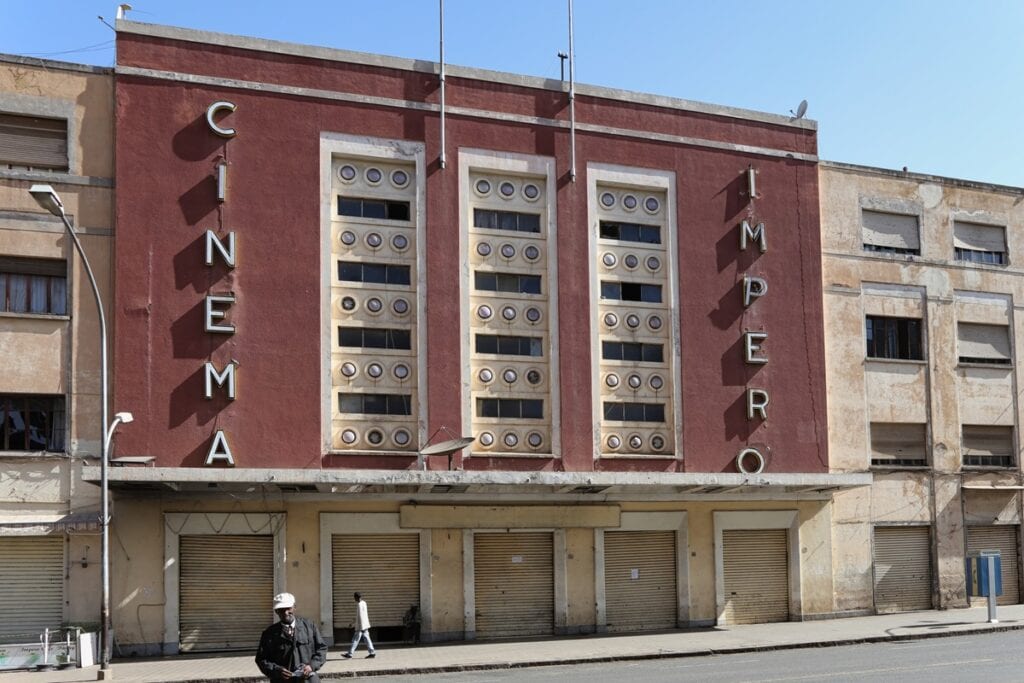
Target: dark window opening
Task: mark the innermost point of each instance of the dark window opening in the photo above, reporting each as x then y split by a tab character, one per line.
362	207
631	232
634	412
506	220
507	282
632	351
32	423
375	404
374	338
894	338
631	291
376	273
512	408
506	345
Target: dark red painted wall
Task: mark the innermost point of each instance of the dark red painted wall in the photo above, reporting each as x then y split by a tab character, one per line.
165	202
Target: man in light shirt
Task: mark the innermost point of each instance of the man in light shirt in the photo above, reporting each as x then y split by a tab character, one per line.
361	629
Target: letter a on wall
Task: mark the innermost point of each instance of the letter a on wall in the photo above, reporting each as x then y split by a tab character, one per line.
220	451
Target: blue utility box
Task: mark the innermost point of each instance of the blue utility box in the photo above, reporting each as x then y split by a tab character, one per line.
978	572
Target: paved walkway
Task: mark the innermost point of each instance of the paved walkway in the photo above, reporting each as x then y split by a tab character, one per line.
506	654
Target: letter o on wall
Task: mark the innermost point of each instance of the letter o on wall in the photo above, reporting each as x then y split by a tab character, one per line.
748	457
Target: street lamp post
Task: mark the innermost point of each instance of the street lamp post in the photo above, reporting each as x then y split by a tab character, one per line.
48	198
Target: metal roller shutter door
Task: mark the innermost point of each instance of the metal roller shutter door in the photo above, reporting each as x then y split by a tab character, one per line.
1004	539
640	580
385	568
514	584
31	587
227	589
755	563
903	577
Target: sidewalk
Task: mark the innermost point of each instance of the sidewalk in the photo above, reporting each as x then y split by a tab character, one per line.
569	650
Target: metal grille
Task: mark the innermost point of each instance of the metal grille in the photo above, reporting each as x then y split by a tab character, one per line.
31	587
903	577
227	589
514	584
755	563
384	568
1004	539
640	580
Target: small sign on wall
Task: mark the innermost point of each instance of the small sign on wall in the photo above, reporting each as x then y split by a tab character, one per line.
517	559
634	574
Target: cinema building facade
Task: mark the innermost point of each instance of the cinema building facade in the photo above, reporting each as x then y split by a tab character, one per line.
329	269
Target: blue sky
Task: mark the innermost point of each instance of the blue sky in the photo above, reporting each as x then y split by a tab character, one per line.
934	85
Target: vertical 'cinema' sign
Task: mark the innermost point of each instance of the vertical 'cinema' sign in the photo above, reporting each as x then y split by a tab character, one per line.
219	250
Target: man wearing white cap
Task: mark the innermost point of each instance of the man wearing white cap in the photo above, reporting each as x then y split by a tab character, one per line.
291	649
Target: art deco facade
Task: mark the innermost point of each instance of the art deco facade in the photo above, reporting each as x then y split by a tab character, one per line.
321	273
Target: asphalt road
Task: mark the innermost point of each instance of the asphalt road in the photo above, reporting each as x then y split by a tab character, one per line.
992	658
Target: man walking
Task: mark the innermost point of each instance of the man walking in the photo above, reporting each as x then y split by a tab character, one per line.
291	649
361	629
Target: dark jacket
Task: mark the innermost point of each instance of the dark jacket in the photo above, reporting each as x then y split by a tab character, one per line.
278	652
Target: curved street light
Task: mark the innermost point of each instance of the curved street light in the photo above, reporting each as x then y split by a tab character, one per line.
48	198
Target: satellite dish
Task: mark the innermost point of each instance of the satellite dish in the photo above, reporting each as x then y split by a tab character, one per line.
448	447
801	110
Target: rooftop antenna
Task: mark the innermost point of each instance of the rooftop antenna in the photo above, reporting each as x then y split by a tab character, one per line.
105	22
562	56
122	10
442	159
801	110
572	100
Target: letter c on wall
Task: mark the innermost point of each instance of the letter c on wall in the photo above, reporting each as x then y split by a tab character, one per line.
215	109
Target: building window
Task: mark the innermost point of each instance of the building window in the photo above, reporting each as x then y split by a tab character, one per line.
979	243
632	351
376	273
507	282
889	232
506	345
989	344
32	423
375	404
33	142
513	221
374	338
987	446
631	291
895	338
515	408
634	412
631	232
361	207
36	286
896	444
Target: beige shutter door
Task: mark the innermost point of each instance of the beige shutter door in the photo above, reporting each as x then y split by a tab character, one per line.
1004	539
640	580
227	591
755	563
514	584
384	568
890	230
31	587
979	237
903	578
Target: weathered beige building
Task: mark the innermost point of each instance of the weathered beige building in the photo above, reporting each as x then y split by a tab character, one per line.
922	283
56	128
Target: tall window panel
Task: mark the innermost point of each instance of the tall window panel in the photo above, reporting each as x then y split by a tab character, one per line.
510	305
373	306
634	322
